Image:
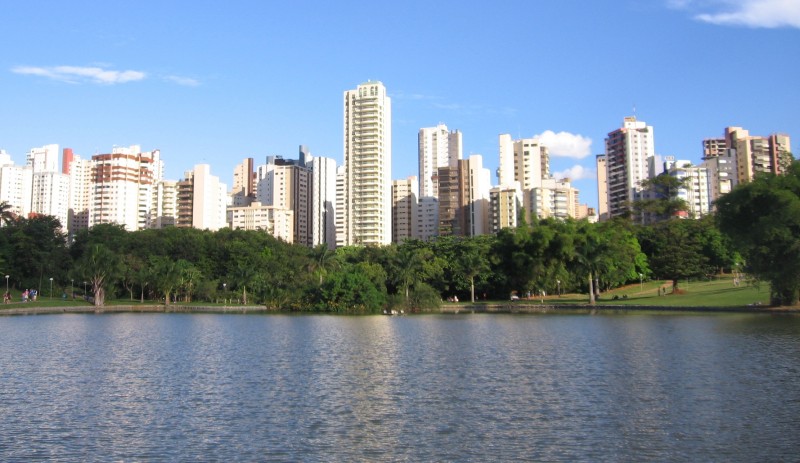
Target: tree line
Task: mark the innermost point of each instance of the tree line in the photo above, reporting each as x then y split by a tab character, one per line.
761	223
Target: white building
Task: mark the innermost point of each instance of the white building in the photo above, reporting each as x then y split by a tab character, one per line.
209	201
695	191
368	166
80	194
323	201
438	147
629	152
122	186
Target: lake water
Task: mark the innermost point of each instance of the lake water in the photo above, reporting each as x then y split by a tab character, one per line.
179	387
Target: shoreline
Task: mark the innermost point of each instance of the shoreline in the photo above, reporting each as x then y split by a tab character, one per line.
478	308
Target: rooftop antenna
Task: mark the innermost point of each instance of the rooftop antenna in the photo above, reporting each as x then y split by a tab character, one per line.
634	110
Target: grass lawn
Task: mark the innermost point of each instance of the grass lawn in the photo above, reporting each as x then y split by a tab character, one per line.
718	292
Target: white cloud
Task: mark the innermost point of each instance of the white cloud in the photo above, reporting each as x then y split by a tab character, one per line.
750	13
79	74
185	81
565	144
576	172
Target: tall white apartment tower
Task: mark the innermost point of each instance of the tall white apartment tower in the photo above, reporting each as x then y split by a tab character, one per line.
438	147
323	201
368	166
629	151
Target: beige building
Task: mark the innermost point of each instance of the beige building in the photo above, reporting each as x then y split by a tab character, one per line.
277	221
554	199
505	204
367	214
404	208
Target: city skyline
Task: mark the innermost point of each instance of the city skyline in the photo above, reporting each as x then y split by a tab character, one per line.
218	84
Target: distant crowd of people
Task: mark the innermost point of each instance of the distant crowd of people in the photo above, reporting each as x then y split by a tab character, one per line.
27	295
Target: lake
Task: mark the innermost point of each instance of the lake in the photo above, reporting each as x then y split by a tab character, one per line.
215	387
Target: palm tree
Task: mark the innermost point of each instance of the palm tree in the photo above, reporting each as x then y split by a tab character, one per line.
6	214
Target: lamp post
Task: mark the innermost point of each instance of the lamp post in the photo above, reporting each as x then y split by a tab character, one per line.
558	282
51	287
84	289
224	292
641	285
71	290
7	283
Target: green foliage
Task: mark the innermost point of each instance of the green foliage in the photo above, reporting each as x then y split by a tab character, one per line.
762	218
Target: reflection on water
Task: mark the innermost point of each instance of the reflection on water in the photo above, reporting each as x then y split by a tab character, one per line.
177	387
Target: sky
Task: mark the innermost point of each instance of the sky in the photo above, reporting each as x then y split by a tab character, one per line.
217	82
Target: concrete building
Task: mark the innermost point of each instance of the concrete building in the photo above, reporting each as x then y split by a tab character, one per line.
16	185
464	198
554	199
122	186
367	191
404	209
695	191
602	187
209	199
427	226
629	150
323	201
276	221
505	204
244	181
287	184
80	194
438	147
165	205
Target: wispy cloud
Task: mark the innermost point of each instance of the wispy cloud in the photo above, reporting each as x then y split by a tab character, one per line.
81	74
98	74
565	144
185	81
749	13
576	172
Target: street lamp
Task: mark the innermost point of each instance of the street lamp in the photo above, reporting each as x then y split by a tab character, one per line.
51	287
6	283
641	286
558	282
84	289
71	285
224	292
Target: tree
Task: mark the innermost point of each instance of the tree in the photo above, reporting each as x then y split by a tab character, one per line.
472	261
6	213
762	218
675	250
662	201
100	266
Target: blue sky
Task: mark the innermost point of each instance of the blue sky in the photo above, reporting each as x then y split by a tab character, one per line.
216	82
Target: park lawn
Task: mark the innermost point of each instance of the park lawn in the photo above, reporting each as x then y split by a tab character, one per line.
718	292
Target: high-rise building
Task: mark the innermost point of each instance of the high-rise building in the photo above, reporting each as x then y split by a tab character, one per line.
208	197
695	189
80	194
629	151
438	147
122	186
602	187
287	184
404	209
504	207
368	166
323	201
555	198
757	154
243	191
276	221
